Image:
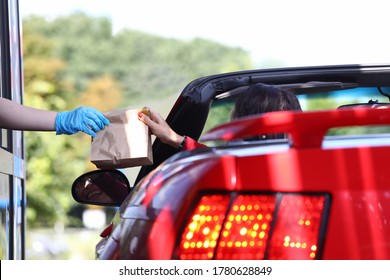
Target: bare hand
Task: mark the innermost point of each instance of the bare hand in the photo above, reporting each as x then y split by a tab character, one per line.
160	128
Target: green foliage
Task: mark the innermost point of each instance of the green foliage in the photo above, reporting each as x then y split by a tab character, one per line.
320	103
359	130
76	60
167	68
220	114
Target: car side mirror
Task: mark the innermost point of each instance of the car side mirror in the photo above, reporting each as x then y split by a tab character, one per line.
101	187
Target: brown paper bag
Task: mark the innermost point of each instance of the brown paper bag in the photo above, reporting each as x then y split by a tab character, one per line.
126	142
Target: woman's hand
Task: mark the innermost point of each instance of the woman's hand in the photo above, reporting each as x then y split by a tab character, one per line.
160	128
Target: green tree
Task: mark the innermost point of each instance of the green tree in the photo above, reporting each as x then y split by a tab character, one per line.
150	66
103	93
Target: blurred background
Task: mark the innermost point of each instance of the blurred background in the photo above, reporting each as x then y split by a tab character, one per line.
116	54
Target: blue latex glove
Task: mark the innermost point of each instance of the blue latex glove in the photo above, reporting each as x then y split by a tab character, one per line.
85	119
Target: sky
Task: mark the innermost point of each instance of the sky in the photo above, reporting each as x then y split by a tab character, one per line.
293	33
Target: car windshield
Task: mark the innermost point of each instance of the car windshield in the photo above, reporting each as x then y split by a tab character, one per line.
222	106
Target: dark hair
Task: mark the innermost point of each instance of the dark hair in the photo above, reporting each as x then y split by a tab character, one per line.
261	98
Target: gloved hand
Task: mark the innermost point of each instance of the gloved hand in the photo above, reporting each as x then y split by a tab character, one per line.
85	119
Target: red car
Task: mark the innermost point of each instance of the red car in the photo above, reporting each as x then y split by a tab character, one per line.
322	194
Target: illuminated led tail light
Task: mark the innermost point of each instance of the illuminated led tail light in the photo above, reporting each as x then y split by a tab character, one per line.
267	226
202	231
246	229
297	227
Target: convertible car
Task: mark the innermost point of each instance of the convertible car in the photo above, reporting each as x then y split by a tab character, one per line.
322	193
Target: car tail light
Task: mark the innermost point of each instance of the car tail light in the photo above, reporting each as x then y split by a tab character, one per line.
201	234
297	226
107	231
247	226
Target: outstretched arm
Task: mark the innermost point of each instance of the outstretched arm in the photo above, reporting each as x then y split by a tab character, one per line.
19	117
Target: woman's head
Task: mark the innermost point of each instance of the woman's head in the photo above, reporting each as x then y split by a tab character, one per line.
262	98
